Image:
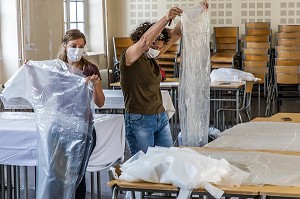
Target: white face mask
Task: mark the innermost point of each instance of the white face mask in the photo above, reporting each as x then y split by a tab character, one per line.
75	54
152	53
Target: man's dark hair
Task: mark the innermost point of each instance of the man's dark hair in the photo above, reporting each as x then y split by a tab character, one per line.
142	28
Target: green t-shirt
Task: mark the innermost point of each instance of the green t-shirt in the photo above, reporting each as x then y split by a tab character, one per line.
140	84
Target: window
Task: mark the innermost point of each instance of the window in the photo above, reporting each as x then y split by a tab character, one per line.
74	15
77	14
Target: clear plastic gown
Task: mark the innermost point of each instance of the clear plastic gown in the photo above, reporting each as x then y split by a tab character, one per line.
61	100
194	79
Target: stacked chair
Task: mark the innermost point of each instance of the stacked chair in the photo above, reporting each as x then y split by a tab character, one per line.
287	64
169	61
119	45
256	53
225	47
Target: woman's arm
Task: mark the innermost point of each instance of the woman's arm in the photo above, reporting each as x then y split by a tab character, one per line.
176	32
136	50
98	94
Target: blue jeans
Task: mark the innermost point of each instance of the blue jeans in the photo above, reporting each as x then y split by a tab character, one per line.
143	131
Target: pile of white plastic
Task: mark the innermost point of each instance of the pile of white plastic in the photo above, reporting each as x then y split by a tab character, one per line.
183	168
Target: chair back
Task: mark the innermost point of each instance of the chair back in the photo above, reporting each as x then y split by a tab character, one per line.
119	45
226	39
169	60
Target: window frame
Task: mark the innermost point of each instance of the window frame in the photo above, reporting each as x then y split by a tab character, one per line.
67	12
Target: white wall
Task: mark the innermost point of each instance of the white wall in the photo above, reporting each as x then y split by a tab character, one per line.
125	15
43	22
43	32
8	40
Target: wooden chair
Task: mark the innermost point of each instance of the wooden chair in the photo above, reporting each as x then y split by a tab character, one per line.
257	38
287	83
287	62
169	60
249	57
287	54
288	42
287	35
257	45
287	74
258	29
288	28
226	47
260	69
257	25
287	51
287	48
257	51
244	106
119	44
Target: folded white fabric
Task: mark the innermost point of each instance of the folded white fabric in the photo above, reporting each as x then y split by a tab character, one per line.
184	168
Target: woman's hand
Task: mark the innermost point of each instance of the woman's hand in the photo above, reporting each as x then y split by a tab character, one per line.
204	4
172	13
94	79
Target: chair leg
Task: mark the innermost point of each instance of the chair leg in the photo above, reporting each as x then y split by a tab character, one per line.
241	119
223	122
115	193
248	114
217	124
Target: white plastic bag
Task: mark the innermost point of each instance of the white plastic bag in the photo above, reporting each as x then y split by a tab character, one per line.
231	75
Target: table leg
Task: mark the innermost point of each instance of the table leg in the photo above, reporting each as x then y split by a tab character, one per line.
237	105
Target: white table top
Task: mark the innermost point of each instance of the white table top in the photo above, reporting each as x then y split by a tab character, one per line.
278	136
18	139
113	100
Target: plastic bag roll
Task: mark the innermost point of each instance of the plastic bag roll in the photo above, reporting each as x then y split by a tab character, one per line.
194	79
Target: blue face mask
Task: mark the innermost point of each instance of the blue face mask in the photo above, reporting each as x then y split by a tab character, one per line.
75	54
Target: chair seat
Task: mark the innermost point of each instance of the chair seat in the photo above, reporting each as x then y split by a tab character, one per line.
223	57
221	65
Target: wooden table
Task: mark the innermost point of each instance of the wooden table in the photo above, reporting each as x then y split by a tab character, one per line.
172	191
280	117
279	192
244	191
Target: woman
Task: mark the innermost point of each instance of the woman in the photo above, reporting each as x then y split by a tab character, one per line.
146	121
71	51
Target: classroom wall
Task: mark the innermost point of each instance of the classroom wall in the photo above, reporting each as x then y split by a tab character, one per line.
8	40
125	15
43	28
130	13
45	24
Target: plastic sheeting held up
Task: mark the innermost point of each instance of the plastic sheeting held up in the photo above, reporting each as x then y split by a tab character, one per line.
194	77
61	99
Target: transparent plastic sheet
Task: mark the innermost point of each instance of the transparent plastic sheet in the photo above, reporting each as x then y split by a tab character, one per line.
260	136
264	168
17	115
194	79
231	74
184	168
61	100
